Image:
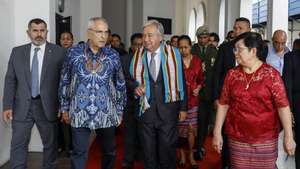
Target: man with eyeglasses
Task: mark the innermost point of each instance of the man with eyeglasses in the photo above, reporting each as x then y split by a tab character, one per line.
92	94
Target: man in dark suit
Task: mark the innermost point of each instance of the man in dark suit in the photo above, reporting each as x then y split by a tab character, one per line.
225	61
290	75
132	143
30	94
158	115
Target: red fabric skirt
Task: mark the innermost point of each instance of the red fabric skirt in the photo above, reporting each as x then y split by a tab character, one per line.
253	156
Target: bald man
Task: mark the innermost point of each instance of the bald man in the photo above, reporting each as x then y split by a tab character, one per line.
277	58
277	49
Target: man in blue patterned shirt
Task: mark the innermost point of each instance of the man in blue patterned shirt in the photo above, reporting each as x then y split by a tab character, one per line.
92	94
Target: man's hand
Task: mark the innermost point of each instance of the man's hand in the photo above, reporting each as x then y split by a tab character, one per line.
196	91
65	117
8	115
182	116
139	91
120	122
216	103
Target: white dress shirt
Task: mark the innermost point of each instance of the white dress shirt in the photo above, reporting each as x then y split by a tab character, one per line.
157	60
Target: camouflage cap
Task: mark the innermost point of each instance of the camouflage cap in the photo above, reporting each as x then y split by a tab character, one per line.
202	30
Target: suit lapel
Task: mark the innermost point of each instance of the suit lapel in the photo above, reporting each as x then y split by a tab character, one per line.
27	64
47	55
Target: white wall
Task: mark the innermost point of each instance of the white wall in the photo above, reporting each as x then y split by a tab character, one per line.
162	9
87	10
180	17
116	16
7	34
14	33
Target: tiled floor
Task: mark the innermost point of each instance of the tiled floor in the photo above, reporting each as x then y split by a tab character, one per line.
35	162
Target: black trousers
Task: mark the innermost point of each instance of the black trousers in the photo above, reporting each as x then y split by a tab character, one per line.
81	143
159	141
206	110
132	143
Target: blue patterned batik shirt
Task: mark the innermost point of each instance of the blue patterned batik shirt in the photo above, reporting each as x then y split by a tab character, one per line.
92	87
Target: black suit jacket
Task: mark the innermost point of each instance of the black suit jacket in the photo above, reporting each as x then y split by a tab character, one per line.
291	77
225	61
17	87
131	104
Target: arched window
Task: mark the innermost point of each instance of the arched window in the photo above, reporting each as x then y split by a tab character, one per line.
200	18
192	24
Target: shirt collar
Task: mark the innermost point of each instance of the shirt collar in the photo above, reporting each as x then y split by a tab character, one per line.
42	47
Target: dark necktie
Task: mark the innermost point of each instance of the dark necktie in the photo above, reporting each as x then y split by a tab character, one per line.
152	67
35	74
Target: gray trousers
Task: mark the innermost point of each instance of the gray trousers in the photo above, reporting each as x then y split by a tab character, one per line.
21	132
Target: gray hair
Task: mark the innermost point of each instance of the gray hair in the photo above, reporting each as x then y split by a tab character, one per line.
157	24
92	21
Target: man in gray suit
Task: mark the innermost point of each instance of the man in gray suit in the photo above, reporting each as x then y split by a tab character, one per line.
30	94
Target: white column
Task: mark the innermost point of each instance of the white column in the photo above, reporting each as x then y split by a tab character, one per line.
277	16
246	9
232	11
129	22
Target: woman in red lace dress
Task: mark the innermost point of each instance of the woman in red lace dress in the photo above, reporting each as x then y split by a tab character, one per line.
194	82
253	102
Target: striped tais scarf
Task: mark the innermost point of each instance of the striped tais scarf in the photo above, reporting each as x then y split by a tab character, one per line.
171	65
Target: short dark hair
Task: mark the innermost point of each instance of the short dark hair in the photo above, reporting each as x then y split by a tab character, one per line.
215	35
243	19
296	44
173	37
185	37
252	40
116	35
135	36
70	33
36	21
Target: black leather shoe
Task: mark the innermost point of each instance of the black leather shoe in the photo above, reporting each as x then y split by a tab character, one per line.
194	166
126	166
181	164
199	154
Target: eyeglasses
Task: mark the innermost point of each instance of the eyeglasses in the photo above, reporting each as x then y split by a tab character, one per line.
238	50
99	33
